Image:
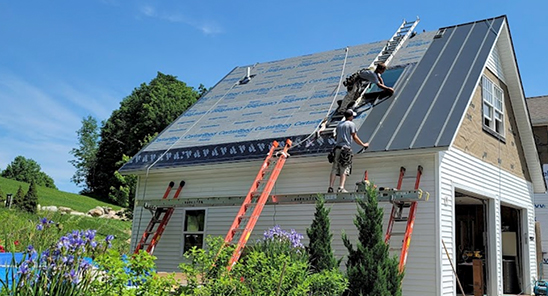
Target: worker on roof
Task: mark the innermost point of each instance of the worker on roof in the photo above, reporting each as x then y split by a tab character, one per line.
342	164
353	99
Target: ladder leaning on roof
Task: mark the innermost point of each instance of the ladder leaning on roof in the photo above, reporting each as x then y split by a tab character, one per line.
158	222
255	200
356	86
395	43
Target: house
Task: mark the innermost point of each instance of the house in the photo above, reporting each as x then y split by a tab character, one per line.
538	109
459	111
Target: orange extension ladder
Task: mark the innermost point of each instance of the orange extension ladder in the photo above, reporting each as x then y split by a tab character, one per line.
397	215
255	200
160	218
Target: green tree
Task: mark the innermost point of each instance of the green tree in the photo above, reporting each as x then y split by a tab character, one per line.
27	170
30	201
148	110
19	198
320	252
86	153
370	268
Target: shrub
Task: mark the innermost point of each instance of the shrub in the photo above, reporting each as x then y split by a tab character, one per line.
30	201
18	199
117	273
370	269
320	253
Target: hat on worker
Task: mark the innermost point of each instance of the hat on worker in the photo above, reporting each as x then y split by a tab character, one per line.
349	112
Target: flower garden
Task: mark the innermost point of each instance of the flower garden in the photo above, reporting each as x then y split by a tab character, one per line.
82	263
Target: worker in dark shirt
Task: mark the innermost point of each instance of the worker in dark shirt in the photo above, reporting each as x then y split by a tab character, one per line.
350	100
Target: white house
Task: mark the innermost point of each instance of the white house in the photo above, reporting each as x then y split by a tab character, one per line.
459	111
538	108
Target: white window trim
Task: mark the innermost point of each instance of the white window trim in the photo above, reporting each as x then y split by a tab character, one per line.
494	110
183	232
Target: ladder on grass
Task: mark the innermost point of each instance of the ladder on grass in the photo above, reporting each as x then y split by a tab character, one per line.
403	212
160	218
255	200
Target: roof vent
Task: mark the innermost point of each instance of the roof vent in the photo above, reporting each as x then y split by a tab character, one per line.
247	77
440	33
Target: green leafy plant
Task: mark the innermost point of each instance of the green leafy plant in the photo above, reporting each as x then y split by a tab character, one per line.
134	275
275	265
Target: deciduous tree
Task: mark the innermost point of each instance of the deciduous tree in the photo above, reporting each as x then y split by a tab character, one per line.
86	153
27	170
148	110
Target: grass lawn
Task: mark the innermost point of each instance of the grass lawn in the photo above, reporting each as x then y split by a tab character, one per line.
21	227
53	197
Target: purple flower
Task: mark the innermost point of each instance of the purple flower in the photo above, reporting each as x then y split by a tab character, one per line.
39	227
278	234
31	250
23	269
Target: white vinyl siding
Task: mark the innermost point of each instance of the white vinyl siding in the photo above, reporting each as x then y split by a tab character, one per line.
460	171
493	106
494	63
541	215
300	175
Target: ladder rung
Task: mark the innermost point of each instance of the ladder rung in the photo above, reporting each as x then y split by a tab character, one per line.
397	233
402	219
394	249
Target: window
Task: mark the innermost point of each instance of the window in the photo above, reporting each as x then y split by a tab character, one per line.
389	77
493	107
193	229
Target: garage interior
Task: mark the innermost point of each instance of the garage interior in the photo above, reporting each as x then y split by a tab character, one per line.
472	238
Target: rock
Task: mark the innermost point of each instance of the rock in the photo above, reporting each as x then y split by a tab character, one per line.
96	212
65	210
49	208
77	213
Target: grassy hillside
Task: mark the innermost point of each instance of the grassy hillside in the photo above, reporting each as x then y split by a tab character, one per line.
20	226
52	197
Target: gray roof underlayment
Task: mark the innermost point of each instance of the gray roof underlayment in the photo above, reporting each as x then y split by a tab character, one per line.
289	98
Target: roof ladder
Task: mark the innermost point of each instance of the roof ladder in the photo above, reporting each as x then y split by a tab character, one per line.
255	200
160	218
357	93
395	43
397	215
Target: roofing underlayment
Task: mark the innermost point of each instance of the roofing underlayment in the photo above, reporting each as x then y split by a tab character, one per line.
434	75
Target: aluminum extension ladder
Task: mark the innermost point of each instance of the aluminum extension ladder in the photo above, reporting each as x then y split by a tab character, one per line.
356	92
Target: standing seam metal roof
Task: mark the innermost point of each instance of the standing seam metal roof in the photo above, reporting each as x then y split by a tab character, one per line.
289	98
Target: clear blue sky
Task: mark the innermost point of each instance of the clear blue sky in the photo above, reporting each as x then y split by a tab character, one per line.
63	60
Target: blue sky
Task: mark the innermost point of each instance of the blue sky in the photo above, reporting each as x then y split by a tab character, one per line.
63	60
